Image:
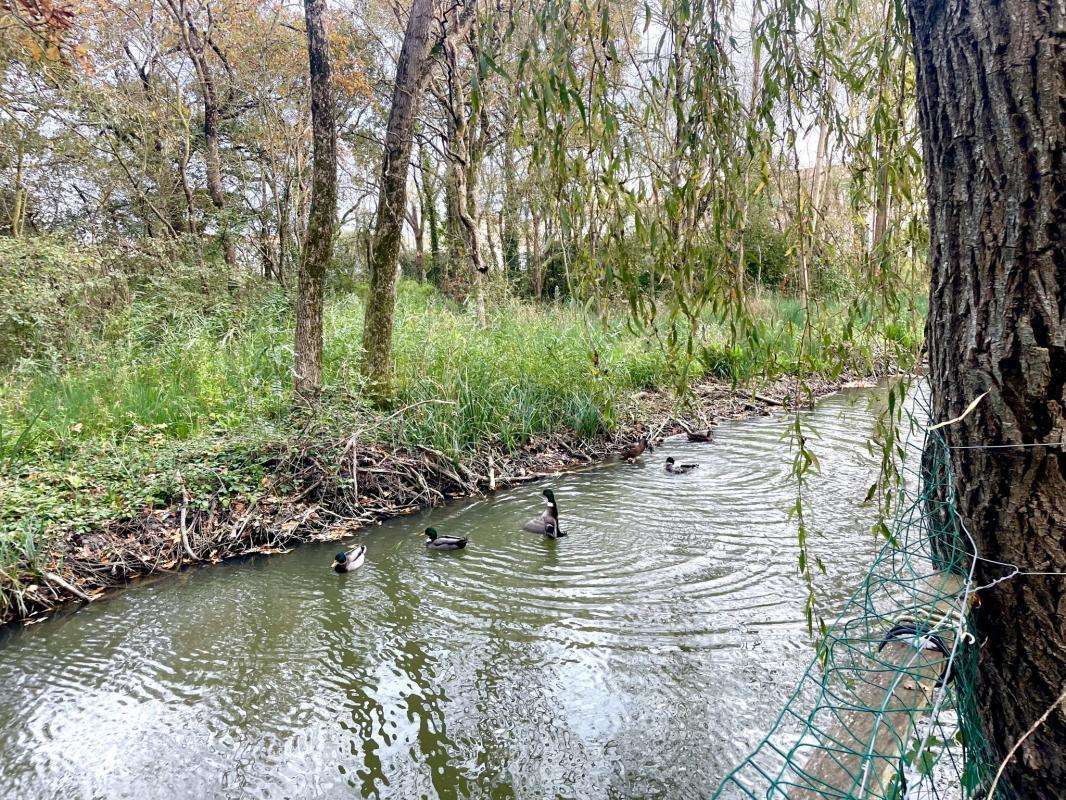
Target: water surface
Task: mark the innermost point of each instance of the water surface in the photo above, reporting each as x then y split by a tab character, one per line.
639	657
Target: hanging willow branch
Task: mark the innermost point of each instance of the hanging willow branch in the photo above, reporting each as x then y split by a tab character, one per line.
662	130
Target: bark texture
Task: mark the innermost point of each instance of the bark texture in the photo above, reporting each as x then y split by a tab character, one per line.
392	199
991	80
318	242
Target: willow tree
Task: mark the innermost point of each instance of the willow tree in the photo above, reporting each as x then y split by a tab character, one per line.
992	101
666	158
318	242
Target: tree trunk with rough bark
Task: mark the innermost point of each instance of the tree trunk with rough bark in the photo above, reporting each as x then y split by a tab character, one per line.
418	229
454	239
991	80
479	267
392	199
462	170
318	241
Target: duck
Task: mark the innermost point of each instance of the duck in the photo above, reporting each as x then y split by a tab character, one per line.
435	542
547	523
701	436
350	561
678	469
633	451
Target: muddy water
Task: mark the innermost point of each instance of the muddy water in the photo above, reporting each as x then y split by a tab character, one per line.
636	658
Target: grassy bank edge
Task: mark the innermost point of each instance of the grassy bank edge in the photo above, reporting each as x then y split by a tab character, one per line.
325	489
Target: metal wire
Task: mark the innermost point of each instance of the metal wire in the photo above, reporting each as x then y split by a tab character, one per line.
866	725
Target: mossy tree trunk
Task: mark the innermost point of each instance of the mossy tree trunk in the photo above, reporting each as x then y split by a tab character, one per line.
991	78
392	200
429	206
318	241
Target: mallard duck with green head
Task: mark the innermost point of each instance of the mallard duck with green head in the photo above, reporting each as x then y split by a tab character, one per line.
547	523
678	469
436	542
351	560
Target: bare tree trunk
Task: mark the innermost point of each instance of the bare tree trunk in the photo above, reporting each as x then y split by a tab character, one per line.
418	228
381	300
478	265
196	44
492	261
817	182
537	267
318	241
991	82
880	223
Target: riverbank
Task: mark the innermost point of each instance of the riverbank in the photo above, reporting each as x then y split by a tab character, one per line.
515	668
322	489
160	430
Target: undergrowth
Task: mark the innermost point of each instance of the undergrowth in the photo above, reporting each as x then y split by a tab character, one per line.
165	395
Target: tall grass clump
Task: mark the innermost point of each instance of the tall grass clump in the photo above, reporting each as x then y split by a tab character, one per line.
527	372
530	370
192	386
783	337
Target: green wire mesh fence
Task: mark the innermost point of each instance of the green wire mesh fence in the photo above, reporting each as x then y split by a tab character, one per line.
887	710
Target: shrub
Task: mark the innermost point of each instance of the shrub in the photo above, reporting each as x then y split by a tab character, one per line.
50	291
767	253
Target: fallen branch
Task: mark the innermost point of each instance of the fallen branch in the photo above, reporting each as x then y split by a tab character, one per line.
51	577
767	400
181	520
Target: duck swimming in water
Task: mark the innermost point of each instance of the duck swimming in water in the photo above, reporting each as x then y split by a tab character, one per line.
633	451
352	560
547	524
435	542
701	436
678	469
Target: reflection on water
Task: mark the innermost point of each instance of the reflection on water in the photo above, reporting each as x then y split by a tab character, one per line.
638	657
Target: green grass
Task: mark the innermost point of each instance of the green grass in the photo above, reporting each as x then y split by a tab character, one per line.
530	370
106	431
204	390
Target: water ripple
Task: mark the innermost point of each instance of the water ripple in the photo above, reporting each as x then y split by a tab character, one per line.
633	658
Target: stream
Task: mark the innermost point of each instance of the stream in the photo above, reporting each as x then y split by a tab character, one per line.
638	657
